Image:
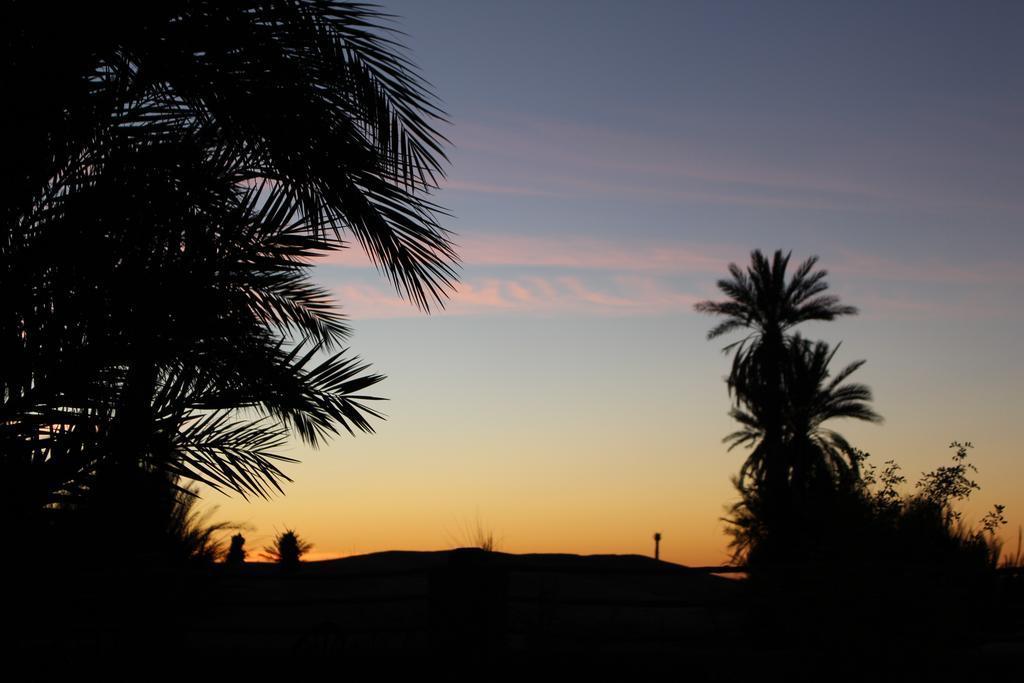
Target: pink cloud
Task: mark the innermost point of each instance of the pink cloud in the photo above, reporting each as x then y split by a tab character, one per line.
631	295
368	301
638	295
542	286
488	294
596	276
576	252
520	293
581	292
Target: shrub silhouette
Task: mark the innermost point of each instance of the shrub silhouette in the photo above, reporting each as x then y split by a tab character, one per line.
900	565
192	537
927	526
287	549
922	527
157	522
475	535
236	553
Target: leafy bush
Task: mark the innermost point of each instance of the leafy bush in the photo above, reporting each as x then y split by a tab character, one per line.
926	525
923	527
902	567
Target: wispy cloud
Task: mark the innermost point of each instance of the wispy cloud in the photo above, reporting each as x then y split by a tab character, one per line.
661	192
545	157
496	188
542	275
571	252
530	295
575	251
585	160
579	252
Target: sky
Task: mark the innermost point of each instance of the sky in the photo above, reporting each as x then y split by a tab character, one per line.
608	161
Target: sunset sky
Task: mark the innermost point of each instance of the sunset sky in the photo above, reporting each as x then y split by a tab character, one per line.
609	160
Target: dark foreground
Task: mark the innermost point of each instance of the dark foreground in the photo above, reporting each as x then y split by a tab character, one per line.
468	604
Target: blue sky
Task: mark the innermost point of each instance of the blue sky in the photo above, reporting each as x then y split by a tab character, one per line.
608	161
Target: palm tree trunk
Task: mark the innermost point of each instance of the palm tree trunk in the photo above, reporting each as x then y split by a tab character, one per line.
777	480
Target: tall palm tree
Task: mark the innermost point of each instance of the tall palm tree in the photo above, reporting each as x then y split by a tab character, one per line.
171	176
767	306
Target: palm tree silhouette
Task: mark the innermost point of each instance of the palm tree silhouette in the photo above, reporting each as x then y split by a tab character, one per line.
818	468
287	549
768	306
174	174
815	456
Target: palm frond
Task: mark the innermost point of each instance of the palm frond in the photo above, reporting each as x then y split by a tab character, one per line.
202	156
222	452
